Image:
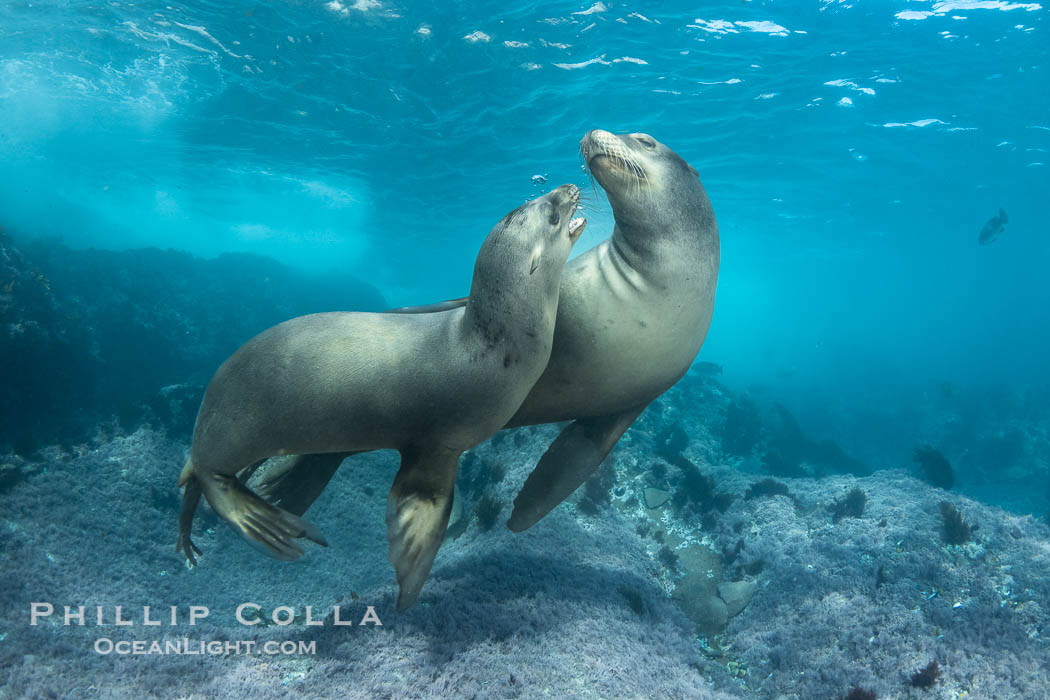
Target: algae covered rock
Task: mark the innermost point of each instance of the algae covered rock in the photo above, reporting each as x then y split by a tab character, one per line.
737	595
654	498
696	593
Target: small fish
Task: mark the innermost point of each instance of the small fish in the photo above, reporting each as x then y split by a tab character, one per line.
992	229
539	179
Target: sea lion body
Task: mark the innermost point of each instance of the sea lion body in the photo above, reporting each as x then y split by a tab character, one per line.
622	338
301	368
632	316
428	385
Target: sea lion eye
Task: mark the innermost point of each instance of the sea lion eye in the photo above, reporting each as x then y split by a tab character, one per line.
646	141
555	218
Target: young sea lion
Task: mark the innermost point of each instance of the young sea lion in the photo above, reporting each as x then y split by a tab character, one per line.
428	385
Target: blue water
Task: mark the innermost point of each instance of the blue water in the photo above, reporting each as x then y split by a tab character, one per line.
852	151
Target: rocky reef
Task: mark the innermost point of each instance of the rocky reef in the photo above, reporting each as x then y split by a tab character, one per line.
90	337
720	552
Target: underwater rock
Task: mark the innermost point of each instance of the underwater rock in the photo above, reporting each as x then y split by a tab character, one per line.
673	441
696	593
14	470
936	468
92	334
709	612
736	594
829	457
654	498
174	408
743	427
553	603
45	361
573	591
790	453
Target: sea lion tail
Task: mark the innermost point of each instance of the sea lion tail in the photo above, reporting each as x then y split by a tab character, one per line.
417	513
267	527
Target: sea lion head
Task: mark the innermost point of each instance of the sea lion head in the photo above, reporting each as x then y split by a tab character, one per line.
525	252
539	233
550	214
647	183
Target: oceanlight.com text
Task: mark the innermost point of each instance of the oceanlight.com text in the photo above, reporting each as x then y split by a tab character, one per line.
187	647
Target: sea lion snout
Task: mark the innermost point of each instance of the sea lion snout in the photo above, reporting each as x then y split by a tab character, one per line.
605	152
595	139
598	142
567	199
567	194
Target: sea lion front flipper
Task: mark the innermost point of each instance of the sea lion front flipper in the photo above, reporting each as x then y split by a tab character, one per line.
431	308
267	527
567	463
417	512
296	483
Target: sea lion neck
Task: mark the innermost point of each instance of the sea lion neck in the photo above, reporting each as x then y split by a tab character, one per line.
655	240
493	302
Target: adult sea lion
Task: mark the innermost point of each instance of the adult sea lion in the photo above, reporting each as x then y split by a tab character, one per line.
428	385
632	315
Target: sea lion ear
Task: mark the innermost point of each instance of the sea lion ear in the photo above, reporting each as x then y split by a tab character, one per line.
534	260
688	167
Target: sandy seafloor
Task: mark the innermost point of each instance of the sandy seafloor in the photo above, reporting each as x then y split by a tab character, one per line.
578	606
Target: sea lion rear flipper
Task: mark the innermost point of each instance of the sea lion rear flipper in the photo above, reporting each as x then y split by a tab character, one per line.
245	474
571	458
191	497
296	483
431	308
417	512
267	527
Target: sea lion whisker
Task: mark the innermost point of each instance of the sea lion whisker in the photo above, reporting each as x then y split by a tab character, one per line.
597	193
